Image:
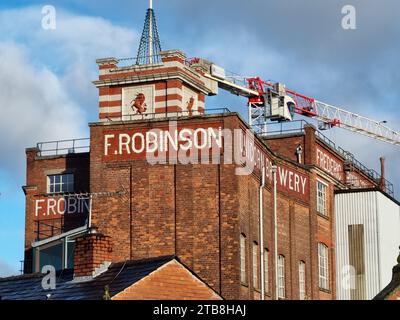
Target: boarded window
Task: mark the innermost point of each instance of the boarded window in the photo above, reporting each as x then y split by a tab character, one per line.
281	277
356	260
255	266
302	280
266	270
243	277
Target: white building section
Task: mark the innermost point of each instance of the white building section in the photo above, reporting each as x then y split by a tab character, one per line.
367	241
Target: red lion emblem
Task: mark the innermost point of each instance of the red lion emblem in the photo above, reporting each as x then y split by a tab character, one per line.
139	103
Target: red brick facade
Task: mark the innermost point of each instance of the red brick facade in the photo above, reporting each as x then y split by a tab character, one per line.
196	212
91	251
38	168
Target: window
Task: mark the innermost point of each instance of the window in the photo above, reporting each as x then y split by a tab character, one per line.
266	270
59	254
281	277
302	280
255	266
243	277
323	265
321	198
60	183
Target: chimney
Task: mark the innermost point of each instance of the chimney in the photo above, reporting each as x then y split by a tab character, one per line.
382	183
310	145
92	256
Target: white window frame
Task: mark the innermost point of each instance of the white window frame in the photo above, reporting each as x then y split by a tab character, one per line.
323	266
281	277
266	270
65	179
256	282
243	273
322	203
302	280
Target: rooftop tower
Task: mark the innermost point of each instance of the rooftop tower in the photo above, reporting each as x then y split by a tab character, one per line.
150	46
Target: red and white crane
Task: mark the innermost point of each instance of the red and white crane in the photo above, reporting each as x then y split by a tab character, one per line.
272	101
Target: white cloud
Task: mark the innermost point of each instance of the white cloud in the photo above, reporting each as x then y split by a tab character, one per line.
6	270
47	75
34	107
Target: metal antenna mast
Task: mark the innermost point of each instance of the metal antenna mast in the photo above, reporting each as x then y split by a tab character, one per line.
150	46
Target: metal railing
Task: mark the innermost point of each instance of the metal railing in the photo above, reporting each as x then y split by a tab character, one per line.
282	128
352	161
136	61
169	114
63	147
48	228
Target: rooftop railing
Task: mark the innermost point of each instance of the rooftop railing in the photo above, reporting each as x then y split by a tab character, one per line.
169	114
63	147
297	126
138	61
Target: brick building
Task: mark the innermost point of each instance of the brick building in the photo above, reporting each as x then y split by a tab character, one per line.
141	190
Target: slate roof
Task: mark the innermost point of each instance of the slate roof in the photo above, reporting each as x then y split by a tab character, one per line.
118	277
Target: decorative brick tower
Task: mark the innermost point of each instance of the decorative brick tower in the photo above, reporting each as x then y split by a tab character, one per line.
169	88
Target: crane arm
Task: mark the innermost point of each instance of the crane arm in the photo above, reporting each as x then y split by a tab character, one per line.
330	116
333	116
355	123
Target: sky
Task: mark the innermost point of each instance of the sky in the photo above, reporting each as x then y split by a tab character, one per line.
46	91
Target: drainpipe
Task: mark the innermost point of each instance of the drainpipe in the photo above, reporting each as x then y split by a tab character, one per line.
274	171
261	218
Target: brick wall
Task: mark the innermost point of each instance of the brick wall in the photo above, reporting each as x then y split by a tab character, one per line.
38	168
286	146
91	251
197	212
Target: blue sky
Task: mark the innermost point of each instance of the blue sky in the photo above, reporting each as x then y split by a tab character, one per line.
45	76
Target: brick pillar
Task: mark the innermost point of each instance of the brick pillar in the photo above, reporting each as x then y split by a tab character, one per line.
30	190
309	144
91	252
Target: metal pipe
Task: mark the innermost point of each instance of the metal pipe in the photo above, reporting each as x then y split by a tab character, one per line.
261	218
274	171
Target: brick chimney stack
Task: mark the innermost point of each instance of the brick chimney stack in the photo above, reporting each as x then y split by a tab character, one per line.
93	255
